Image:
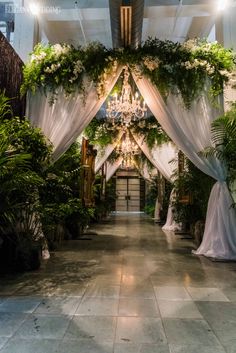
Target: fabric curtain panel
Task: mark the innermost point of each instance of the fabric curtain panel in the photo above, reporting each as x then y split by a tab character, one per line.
104	153
160	156
164	158
191	132
111	168
64	120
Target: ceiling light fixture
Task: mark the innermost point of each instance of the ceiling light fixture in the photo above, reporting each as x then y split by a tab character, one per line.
34	8
128	107
126	24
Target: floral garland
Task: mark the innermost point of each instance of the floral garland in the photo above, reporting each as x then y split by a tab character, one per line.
172	67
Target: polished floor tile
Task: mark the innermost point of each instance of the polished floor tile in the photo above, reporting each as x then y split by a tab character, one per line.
138	307
98	306
10	322
172	293
84	346
198	348
129	288
58	305
207	294
181	309
102	290
42	326
96	328
141	348
139	330
184	332
18	345
20	304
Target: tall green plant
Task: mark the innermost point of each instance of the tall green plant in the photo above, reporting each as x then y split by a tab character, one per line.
223	134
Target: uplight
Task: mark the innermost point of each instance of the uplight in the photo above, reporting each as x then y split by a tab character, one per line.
34	8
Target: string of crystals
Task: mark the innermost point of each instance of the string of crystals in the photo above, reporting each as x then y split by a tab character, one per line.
127	149
127	107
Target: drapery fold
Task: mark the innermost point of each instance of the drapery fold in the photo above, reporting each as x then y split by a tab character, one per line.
190	130
111	168
164	158
64	120
104	153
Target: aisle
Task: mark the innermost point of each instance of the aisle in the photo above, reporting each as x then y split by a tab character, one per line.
129	288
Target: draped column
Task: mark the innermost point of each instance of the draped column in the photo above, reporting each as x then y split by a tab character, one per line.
191	132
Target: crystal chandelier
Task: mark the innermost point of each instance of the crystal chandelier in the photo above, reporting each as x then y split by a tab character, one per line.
127	148
127	107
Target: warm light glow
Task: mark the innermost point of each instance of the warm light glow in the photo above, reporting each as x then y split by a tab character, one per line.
222	4
127	107
34	8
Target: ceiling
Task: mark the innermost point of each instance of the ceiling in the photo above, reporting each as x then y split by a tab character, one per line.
81	21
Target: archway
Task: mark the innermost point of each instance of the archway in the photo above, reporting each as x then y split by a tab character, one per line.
164	73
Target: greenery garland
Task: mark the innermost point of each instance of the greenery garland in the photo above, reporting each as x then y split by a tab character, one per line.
172	67
103	132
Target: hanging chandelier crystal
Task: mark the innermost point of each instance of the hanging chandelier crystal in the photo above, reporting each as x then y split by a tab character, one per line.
127	107
127	148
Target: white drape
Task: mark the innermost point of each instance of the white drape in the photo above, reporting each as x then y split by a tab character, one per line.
64	120
190	131
160	156
104	153
111	168
164	159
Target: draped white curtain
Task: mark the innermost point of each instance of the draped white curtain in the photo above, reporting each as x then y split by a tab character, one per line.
160	156
64	120
164	159
104	153
111	168
190	131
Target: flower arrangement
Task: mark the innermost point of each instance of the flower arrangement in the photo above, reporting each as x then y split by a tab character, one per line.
172	67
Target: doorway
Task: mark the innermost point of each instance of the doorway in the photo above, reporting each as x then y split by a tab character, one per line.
128	194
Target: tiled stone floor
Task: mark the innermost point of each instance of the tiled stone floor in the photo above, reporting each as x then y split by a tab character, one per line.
130	288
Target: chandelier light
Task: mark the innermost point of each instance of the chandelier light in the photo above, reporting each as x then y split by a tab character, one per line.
127	107
127	148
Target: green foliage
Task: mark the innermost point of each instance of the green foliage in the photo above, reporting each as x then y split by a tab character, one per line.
194	182
101	132
172	67
223	134
151	130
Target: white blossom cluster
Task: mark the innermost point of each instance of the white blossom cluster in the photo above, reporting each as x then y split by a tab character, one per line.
196	63
78	68
38	58
59	49
190	45
151	63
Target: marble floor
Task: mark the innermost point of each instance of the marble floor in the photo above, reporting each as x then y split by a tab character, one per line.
127	288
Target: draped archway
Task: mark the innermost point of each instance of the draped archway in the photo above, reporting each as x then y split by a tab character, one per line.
187	123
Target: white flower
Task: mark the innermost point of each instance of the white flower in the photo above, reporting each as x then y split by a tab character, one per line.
151	62
60	50
190	45
38	57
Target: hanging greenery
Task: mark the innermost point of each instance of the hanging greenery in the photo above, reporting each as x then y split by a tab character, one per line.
151	130
103	132
172	67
